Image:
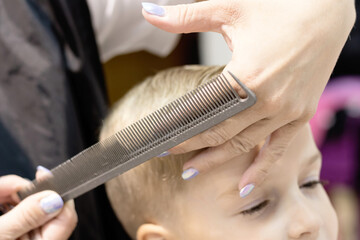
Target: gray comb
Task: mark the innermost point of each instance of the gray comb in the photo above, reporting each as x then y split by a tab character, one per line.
193	113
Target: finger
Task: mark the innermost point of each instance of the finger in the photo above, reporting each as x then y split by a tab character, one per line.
42	173
35	234
275	147
236	146
220	133
31	213
195	17
61	227
25	237
11	184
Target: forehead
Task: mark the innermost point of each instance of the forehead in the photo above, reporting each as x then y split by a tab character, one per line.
301	153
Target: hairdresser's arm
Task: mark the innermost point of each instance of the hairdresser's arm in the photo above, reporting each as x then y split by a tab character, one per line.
284	51
40	216
120	28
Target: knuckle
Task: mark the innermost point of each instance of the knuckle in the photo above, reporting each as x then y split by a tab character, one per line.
209	164
186	15
276	152
294	113
297	112
29	220
241	144
10	178
232	14
309	113
301	115
263	172
214	136
290	128
271	106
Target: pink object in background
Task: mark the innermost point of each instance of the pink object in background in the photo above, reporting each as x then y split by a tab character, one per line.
341	93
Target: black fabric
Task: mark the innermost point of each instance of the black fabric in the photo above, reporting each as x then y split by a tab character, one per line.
36	107
52	97
75	29
349	60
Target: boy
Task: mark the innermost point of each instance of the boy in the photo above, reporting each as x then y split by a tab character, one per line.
153	201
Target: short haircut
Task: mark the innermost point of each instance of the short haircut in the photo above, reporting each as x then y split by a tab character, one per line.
146	193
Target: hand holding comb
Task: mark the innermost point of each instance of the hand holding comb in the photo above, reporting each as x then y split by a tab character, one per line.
187	116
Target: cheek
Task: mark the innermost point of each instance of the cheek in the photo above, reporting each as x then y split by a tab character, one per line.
264	232
200	219
328	215
333	224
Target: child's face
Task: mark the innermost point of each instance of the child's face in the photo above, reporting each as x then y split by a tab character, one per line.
288	205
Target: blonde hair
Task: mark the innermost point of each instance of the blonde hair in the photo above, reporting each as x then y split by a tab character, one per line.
145	194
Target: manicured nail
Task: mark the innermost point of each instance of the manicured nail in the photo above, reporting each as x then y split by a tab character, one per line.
44	169
245	191
153	9
51	203
189	173
164	154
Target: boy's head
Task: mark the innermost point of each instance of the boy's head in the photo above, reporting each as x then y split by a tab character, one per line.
153	202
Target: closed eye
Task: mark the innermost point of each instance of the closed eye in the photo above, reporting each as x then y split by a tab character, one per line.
256	208
313	184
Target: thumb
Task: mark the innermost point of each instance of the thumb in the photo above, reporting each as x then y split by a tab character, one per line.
274	148
29	214
185	18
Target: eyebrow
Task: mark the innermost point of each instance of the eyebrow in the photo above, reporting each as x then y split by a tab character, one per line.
314	158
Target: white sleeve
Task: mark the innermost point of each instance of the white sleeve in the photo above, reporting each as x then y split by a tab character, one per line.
120	28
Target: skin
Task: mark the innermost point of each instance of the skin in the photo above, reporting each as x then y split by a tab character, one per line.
27	220
296	46
284	51
297	208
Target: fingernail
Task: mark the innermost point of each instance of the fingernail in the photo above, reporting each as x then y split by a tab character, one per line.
245	191
164	154
189	173
51	203
44	169
153	9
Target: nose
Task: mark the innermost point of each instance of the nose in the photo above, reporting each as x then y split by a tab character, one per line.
304	221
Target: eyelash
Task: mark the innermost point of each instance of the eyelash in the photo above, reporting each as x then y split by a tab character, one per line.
256	208
313	184
260	206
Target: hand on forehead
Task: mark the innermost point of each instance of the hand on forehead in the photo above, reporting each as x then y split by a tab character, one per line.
288	71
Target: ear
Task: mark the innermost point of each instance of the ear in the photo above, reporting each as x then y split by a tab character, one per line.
151	231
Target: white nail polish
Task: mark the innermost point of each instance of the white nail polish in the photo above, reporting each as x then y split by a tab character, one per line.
164	154
189	173
245	191
153	9
41	168
51	203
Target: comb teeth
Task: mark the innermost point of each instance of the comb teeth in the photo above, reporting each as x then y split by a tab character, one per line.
178	116
165	128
